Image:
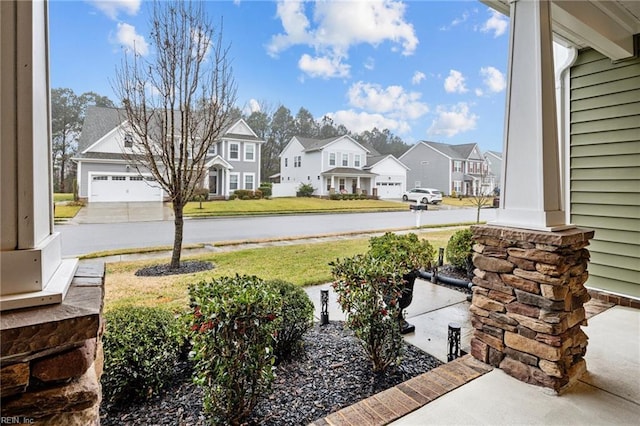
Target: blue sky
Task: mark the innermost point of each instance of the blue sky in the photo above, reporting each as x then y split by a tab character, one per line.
426	70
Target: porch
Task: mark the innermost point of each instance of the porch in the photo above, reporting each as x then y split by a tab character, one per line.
346	180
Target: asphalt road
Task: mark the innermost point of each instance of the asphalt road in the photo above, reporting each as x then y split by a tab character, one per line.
79	239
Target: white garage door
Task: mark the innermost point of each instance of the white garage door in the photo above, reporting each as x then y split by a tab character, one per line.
123	188
389	189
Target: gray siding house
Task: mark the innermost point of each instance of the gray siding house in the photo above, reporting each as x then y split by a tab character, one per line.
459	169
107	174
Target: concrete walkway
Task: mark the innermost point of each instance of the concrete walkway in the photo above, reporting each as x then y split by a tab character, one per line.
123	212
608	394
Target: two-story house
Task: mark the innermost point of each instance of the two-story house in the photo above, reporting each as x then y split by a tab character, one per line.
107	172
341	165
494	162
459	169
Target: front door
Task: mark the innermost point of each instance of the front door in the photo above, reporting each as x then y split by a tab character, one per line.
213	183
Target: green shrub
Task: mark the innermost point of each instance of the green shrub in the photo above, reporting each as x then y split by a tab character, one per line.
297	318
247	194
368	290
459	249
265	188
233	323
407	252
305	190
141	348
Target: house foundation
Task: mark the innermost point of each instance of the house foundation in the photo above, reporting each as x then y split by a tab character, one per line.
527	308
51	357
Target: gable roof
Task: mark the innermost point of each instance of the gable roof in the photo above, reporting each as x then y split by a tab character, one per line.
98	121
311	144
375	159
457	152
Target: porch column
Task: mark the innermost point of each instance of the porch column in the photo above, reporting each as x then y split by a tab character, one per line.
531	180
528	299
358	185
32	271
333	185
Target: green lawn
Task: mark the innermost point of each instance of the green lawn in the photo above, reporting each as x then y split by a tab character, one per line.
64	211
287	206
301	264
464	202
60	196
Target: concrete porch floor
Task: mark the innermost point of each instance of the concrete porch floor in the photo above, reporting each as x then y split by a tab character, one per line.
609	393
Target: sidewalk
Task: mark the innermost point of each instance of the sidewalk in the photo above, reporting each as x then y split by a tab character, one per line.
467	392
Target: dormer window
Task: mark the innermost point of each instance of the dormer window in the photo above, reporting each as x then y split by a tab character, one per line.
128	140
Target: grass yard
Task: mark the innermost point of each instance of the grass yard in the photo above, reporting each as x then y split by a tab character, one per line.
64	211
301	264
62	196
287	206
464	202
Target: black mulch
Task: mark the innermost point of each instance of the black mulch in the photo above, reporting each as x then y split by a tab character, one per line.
186	267
333	373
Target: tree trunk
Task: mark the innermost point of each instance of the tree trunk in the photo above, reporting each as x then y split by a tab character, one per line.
478	213
62	184
177	236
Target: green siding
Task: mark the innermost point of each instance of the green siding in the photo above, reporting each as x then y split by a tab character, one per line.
605	167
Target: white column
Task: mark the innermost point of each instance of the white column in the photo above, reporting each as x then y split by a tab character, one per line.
531	183
32	271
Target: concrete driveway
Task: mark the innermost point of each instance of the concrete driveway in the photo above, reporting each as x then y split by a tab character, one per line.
123	212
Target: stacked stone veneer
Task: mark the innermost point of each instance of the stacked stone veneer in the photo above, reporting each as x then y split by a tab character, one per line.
528	298
51	357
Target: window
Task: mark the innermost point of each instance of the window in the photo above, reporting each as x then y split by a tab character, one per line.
100	177
249	178
128	140
137	178
249	152
356	160
233	181
457	186
214	149
234	151
118	178
286	162
457	166
342	184
345	160
297	161
332	158
328	184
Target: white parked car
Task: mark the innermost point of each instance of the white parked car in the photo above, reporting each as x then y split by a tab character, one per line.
424	195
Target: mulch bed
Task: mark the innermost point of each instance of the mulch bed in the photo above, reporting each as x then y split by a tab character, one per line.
332	373
186	267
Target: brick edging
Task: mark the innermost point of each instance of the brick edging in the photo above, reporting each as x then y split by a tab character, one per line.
614	298
389	405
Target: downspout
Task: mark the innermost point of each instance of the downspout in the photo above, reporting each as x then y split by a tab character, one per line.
563	97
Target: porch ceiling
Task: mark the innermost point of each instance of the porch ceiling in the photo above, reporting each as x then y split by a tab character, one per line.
606	26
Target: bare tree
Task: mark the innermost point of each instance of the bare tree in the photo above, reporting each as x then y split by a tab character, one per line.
483	196
177	102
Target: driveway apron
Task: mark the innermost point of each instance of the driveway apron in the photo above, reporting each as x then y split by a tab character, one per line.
124	212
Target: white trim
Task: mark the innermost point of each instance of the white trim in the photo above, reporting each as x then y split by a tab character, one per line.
105	136
229	143
238	183
246	145
91	175
244	181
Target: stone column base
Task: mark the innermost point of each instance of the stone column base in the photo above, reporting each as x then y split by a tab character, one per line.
527	307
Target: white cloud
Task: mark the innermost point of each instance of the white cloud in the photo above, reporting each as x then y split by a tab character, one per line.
370	63
111	8
454	83
324	67
418	76
497	23
361	121
252	106
393	100
126	36
453	120
338	26
479	92
493	79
